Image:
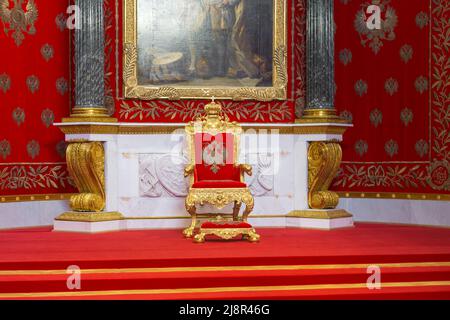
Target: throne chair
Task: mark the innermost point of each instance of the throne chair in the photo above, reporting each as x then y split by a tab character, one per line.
216	177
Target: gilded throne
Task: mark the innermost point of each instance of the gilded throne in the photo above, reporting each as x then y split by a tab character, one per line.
216	177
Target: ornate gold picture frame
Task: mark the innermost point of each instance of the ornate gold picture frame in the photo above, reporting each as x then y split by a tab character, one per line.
150	72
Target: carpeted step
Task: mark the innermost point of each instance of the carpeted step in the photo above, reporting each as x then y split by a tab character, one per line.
420	291
131	280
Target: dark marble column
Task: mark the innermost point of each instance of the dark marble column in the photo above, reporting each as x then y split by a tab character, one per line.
320	59
89	61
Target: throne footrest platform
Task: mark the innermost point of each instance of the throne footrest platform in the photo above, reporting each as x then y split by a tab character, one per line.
226	230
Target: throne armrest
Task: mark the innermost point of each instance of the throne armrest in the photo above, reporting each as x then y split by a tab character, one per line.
189	170
245	168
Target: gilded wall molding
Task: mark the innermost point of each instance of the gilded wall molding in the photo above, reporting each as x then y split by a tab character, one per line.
90	216
395	196
319	214
36	197
168	129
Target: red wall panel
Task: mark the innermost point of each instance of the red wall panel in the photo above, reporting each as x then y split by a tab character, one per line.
34	81
393	84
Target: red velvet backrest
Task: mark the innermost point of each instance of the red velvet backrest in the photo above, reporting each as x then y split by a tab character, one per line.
214	157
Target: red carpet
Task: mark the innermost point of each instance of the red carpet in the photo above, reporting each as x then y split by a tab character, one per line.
286	264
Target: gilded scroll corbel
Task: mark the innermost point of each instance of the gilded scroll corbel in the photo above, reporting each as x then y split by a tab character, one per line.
324	159
86	165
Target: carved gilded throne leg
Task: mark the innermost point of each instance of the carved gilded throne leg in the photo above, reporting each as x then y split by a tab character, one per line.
190	207
236	209
252	236
247	199
200	238
324	159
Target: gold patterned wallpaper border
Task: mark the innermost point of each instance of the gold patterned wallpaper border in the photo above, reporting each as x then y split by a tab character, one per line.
36	197
342	195
394	196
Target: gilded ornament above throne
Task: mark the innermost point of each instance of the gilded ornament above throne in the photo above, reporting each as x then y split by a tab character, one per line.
216	176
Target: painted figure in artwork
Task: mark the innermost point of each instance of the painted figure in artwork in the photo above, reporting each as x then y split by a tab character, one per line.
222	24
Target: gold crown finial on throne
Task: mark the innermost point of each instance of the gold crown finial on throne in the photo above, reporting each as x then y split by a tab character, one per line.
213	118
213	109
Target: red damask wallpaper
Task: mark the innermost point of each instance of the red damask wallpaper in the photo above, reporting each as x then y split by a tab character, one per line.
34	91
393	84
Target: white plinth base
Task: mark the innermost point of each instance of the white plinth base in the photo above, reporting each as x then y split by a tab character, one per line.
89	227
323	224
155	224
152	224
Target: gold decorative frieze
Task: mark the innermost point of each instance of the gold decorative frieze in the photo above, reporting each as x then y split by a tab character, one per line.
319	214
397	195
90	216
86	164
324	159
36	197
89	129
127	129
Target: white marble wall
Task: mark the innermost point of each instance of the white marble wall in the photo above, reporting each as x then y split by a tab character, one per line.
417	212
144	173
31	214
151	181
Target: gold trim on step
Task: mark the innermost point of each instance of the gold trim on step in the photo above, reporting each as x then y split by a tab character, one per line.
231	268
222	289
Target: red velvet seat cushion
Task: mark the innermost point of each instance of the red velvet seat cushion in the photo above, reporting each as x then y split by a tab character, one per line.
219	184
225	225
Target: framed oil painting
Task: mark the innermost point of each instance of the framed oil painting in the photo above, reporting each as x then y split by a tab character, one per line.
194	49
